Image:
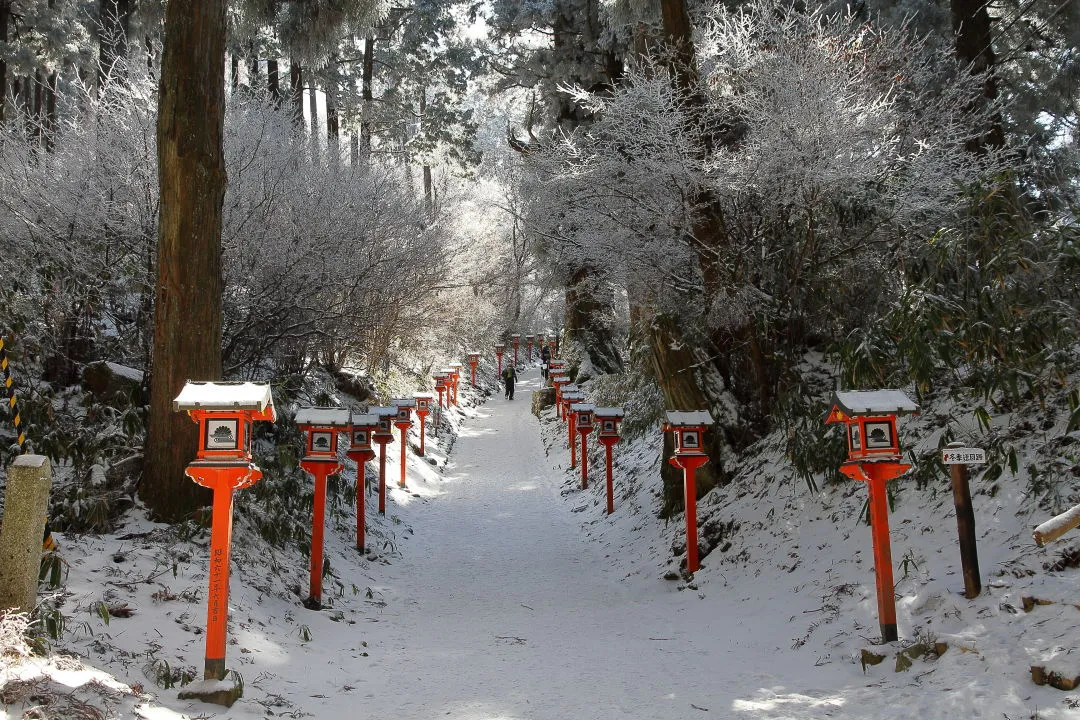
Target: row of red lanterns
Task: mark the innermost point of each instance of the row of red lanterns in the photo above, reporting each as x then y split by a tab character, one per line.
515	342
225	412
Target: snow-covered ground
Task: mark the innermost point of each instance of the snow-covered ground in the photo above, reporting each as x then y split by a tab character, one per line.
496	589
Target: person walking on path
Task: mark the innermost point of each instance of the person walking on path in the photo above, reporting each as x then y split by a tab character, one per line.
509	376
545	358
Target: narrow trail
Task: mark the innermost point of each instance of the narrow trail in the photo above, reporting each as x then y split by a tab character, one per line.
502	608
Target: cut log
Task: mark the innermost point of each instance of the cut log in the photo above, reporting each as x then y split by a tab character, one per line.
1057	526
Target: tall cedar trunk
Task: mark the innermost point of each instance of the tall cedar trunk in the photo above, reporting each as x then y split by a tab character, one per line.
112	46
296	92
188	305
366	95
5	20
313	109
273	84
50	110
234	71
354	149
333	133
429	198
677	370
974	47
254	76
37	119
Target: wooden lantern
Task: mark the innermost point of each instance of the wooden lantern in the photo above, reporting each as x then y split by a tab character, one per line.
583	425
403	421
529	342
499	349
424	401
571	394
382	437
874	457
224	412
360	439
689	428
322	425
474	360
455	374
607	433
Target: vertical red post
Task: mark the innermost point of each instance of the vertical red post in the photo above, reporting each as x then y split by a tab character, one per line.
573	445
217	607
498	357
472	373
879	520
610	483
382	478
423	420
690	499
318	526
361	519
584	460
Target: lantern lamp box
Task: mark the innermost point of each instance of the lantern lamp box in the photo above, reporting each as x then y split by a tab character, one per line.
584	415
322	425
362	428
423	402
870	417
688	427
608	419
225	411
386	417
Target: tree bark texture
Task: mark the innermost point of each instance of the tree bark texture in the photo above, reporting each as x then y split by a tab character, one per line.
273	83
678	371
296	92
188	306
333	131
971	27
5	21
115	17
589	300
367	96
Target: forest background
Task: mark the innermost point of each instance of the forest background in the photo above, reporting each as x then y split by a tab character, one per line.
698	197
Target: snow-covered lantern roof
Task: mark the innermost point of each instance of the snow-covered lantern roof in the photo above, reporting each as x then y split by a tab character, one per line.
322	425
583	416
689	428
515	339
529	338
499	348
404	407
423	402
870	418
386	415
555	364
474	357
363	427
539	338
224	412
607	422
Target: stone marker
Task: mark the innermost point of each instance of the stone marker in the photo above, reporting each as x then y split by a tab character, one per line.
25	505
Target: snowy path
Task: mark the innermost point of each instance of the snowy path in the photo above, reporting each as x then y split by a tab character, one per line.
503	609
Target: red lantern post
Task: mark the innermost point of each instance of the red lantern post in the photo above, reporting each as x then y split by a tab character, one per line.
363	427
383	436
474	360
571	395
607	421
689	429
559	381
455	377
440	387
583	421
322	425
225	413
403	421
874	458
529	342
551	346
499	348
423	408
515	340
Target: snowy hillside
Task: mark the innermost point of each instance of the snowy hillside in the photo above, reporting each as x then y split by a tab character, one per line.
496	588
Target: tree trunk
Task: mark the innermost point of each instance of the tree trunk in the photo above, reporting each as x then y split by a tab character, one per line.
188	305
366	95
37	119
296	92
272	82
234	71
112	45
974	48
429	197
254	80
5	20
50	110
313	108
333	134
679	372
